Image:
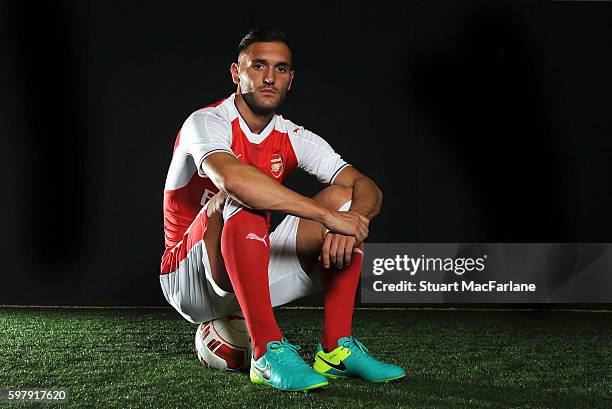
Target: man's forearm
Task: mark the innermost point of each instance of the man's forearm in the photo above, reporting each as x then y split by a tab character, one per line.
367	198
257	191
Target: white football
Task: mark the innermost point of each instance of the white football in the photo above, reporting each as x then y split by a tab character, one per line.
224	343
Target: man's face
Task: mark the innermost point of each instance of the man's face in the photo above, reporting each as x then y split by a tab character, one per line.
263	75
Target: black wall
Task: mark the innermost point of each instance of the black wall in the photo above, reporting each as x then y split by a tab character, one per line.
482	121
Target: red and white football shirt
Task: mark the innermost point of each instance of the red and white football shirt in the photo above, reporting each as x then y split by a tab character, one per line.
276	151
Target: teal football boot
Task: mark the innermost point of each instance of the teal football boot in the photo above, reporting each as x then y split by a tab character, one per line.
283	368
352	359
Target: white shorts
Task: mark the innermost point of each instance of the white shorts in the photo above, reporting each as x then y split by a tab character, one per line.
191	290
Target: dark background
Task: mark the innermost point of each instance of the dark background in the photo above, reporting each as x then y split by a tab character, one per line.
482	121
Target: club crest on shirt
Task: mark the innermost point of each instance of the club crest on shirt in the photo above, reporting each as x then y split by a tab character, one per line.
276	165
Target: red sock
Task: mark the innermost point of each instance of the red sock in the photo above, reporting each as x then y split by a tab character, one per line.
245	246
339	287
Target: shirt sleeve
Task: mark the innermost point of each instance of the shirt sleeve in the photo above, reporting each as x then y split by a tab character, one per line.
316	156
204	133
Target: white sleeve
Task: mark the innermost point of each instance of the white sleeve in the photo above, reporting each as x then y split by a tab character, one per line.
204	133
316	156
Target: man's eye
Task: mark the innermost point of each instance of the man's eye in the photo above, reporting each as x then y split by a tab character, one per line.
258	66
282	69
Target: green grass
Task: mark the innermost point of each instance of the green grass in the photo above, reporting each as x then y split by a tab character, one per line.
455	359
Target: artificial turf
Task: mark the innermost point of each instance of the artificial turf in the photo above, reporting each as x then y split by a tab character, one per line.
454	359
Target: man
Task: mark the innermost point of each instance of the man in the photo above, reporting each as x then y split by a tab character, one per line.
225	177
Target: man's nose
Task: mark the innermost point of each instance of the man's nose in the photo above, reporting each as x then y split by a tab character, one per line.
269	78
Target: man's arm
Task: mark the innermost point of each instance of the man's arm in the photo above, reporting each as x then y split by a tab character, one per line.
337	248
318	158
367	197
256	190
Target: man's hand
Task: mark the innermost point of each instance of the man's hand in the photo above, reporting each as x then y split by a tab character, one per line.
337	250
348	223
347	230
216	203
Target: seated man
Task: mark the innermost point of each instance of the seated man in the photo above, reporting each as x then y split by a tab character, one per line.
230	160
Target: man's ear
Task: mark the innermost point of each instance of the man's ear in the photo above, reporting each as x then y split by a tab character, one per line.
291	81
234	72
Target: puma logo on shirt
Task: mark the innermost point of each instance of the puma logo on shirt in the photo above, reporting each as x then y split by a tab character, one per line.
253	236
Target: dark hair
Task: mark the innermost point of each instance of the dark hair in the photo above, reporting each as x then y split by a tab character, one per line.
262	35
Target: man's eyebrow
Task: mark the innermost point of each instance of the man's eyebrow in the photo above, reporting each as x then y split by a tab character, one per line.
278	64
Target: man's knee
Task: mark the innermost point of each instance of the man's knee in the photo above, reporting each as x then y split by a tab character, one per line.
334	196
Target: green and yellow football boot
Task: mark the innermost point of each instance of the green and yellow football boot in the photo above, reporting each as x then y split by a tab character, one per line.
352	359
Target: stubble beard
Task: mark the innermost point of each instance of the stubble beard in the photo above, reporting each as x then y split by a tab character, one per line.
258	109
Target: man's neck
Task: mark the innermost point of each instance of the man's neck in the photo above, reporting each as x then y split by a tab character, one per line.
256	123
